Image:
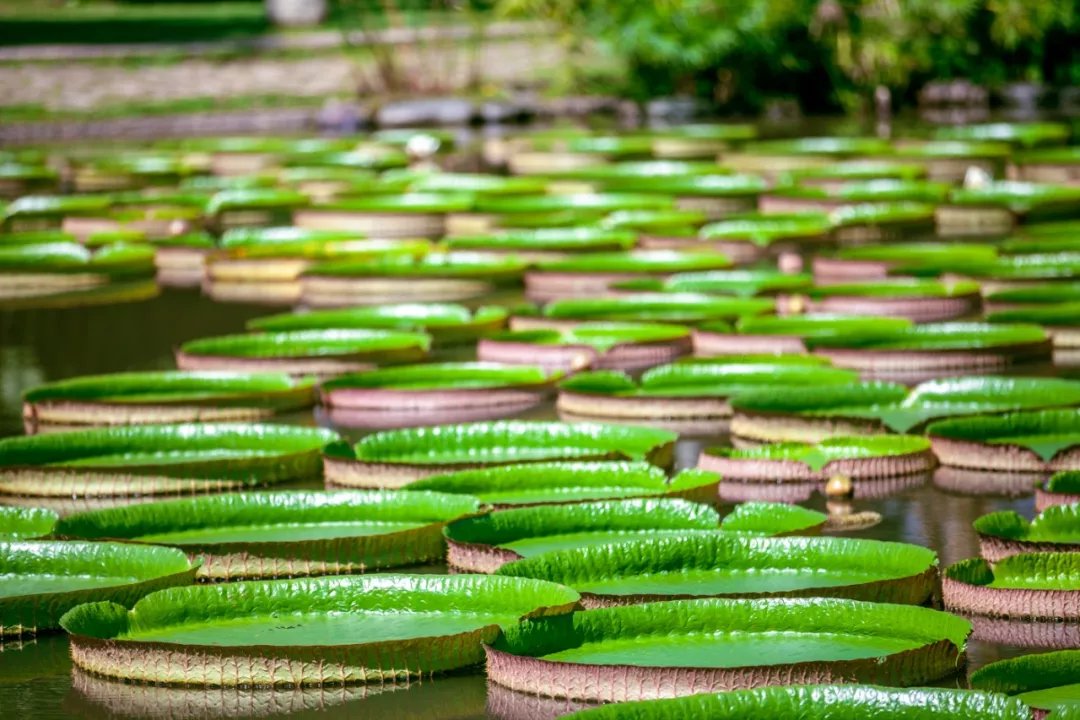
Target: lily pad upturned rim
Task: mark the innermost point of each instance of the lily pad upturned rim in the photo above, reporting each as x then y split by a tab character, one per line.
407	203
1033	585
106	637
954	336
910	575
1059	429
1007	532
602	336
596	202
883	451
528	657
820	702
1028	673
899	287
576	239
434	265
139	570
697	307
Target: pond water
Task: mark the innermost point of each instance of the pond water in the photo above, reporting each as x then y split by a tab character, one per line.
36	678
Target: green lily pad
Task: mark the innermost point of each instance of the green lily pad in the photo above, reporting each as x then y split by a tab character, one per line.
567	482
895	287
709	131
716	185
444	322
476	184
871	191
286	533
50	206
1046	681
435	265
1066	482
373	628
602	203
611	175
43	579
821	702
508	441
687	308
878	213
942	336
1019	197
713	379
1059	315
118	260
599	335
830	400
309	343
156	458
710	564
825	146
25	523
1055	524
754	641
1028	134
856	170
1044	432
740	283
817	456
271	391
572	239
659	222
255	199
1034	266
820	326
920	253
639	261
530	531
1026	571
444	376
408	203
766	229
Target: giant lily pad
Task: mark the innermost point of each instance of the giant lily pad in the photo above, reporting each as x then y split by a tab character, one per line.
148	397
25	523
856	191
1060	320
313	631
149	459
919	300
742	283
385	215
43	579
808	414
487	542
769	229
593	273
630	346
1006	532
675	648
434	277
849	170
1032	441
114	261
1040	585
840	702
686	391
302	352
287	533
446	323
545	243
542	483
688	308
430	394
932	350
601	203
1027	134
878	261
854	457
710	564
789	334
1062	488
1044	681
395	457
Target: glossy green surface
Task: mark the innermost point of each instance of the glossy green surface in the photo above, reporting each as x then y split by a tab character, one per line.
1044	432
838	448
168	387
1026	571
658	307
307	343
440	376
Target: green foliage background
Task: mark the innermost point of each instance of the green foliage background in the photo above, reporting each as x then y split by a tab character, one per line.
828	54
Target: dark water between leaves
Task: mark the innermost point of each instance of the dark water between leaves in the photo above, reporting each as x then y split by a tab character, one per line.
36	678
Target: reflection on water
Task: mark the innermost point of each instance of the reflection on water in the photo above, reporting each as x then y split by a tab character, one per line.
36	679
456	697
